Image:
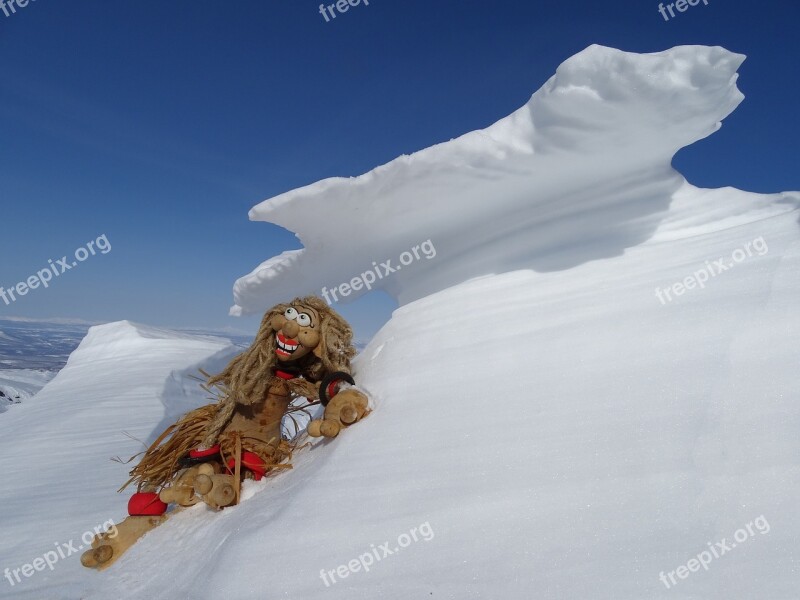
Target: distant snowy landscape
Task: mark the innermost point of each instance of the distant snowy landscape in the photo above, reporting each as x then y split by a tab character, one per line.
21	384
33	351
590	384
44	345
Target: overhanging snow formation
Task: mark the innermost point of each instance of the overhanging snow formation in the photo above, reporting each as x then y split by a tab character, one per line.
581	172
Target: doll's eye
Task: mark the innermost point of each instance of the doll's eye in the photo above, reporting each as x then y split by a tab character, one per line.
303	320
290	314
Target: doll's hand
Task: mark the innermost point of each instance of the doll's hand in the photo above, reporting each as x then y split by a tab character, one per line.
345	408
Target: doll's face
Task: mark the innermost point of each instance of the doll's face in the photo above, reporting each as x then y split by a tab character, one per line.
297	332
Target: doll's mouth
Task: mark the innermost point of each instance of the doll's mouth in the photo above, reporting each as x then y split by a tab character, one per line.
285	347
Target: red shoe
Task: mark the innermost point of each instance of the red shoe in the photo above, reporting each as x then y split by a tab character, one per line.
146	504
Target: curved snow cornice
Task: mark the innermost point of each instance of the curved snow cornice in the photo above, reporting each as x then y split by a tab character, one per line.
581	172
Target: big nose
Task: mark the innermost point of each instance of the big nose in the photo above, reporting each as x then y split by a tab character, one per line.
290	328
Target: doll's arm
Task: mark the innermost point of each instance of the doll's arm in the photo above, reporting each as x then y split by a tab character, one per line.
344	405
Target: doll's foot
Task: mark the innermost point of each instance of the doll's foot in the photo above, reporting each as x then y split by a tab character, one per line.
216	490
108	546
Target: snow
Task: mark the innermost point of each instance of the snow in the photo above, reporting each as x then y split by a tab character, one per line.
561	431
122	384
581	172
18	385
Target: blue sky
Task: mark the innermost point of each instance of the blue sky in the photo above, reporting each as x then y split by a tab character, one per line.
161	123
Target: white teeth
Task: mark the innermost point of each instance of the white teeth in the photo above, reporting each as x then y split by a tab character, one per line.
287	347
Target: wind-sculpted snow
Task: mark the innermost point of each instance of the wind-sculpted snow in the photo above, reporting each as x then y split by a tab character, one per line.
581	172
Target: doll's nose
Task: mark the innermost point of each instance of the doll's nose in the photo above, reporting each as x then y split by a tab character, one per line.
290	329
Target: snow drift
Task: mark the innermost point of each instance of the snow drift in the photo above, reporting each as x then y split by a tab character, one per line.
559	428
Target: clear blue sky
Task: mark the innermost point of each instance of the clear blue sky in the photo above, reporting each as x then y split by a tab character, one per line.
160	123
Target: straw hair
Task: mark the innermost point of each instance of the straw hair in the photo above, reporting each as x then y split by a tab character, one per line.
160	461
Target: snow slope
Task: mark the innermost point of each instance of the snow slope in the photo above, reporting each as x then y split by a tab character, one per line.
549	432
122	384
